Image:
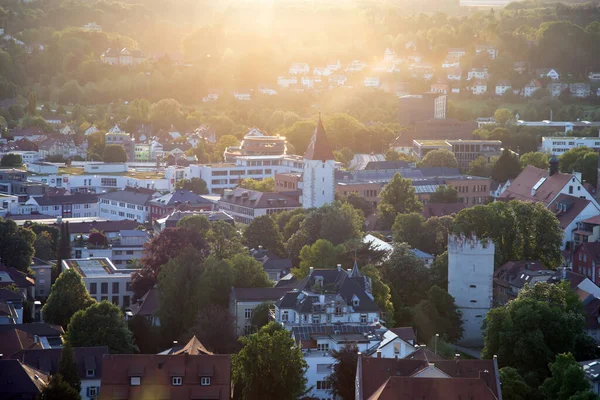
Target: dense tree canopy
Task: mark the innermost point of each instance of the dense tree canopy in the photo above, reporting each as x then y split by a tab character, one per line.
439	158
397	197
101	324
195	185
16	245
342	379
114	153
567	380
68	296
262	231
506	167
269	366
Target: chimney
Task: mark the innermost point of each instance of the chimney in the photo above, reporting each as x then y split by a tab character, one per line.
378	353
553	168
339	267
36	339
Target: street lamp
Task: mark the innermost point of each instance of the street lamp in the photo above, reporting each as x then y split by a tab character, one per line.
437	335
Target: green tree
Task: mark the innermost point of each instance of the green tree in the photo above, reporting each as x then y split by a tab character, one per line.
96	144
345	156
224	142
178	296
398	197
12	161
520	231
31	104
67	367
215	328
444	194
506	167
195	223
392	155
439	158
224	240
321	254
536	159
16	245
514	386
269	366
342	379
43	246
101	324
358	202
265	185
68	296
262	231
408	228
530	343
165	113
58	389
502	116
567	380
114	153
260	314
438	314
480	167
381	293
195	185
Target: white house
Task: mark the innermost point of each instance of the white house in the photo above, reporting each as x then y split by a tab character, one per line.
479	88
556	88
454	74
530	88
579	90
371	81
244	205
571	210
70	206
286	82
456	53
548	73
503	87
477	73
355	66
309	81
103	280
558	145
337	80
451	63
299	69
491	51
129	203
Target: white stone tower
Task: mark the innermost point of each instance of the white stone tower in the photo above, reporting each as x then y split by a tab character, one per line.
318	178
470	282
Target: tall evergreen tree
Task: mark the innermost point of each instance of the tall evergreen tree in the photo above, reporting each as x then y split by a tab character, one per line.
58	389
67	367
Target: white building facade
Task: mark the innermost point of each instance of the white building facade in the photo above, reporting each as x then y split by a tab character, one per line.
318	171
470	282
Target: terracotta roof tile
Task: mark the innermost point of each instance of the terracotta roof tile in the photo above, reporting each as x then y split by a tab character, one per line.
574	206
521	187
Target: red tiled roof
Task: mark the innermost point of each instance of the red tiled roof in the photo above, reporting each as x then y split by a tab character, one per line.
521	187
400	387
593	220
319	148
575	206
156	373
14	340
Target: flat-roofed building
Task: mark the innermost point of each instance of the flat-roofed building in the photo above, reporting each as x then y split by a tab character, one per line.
103	280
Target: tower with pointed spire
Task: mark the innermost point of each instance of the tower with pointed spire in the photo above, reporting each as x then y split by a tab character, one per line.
318	178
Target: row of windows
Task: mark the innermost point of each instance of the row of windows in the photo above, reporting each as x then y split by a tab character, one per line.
175	381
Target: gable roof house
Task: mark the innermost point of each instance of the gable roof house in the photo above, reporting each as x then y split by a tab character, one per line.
87	359
391	379
168	203
243	301
564	194
146	306
244	205
174	376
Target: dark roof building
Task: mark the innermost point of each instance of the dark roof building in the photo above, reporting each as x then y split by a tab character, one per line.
146	306
274	266
244	205
166	204
77	198
20	381
171	220
319	147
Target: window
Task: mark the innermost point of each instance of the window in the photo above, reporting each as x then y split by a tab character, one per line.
355	302
339	311
128	286
126	301
248	313
322	346
323	385
104	288
115	287
205	381
121	204
176	381
363	318
397	347
247	329
585	257
93	287
285	316
570	189
115	300
92	391
90	372
121	214
129	252
316	319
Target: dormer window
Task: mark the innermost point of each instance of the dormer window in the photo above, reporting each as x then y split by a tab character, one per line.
90	372
205	381
355	301
177	381
135	381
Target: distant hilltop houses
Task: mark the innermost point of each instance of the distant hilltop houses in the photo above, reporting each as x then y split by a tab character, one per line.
123	56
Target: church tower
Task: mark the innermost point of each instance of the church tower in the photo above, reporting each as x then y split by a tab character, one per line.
318	171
